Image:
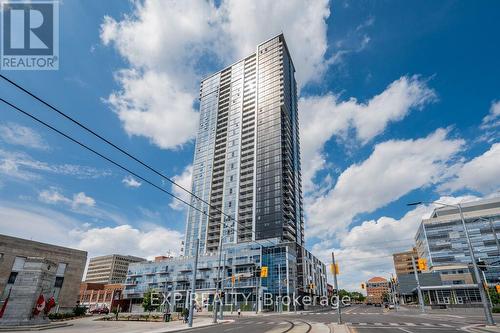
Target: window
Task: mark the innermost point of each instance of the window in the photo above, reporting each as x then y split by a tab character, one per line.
12	278
18	264
59	282
61	268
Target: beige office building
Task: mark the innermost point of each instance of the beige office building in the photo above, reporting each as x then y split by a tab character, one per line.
402	262
70	266
109	269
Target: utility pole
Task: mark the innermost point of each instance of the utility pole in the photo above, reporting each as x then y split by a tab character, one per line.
336	286
192	299
223	299
218	280
279	286
419	291
233	281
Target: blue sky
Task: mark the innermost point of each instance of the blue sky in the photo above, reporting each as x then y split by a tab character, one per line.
399	102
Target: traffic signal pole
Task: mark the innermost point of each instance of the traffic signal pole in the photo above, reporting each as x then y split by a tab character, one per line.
419	291
192	299
336	286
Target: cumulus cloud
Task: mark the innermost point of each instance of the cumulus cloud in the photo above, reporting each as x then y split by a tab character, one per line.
50	226
184	179
126	239
394	168
367	248
323	117
130	181
156	94
16	134
481	174
53	196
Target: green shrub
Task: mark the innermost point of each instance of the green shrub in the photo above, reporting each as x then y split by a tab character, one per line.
79	310
496	309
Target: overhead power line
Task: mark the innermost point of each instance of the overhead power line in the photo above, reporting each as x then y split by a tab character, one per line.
115	146
81	144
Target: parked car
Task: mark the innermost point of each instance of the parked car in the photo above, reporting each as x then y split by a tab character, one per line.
391	306
379	305
100	311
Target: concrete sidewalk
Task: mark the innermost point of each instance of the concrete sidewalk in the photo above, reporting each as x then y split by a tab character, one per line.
90	324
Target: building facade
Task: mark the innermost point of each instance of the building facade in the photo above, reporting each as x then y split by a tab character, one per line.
442	241
14	252
376	290
174	275
247	155
403	262
247	169
98	295
109	269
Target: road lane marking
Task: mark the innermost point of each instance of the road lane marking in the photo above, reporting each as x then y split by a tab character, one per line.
405	330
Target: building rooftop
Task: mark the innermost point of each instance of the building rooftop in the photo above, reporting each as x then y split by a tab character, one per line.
468	207
377	279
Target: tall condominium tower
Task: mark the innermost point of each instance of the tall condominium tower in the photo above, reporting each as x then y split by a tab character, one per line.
247	155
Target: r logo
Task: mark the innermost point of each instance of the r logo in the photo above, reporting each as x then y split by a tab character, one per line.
30	35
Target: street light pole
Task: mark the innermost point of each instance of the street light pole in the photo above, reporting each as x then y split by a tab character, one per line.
218	281
192	299
484	300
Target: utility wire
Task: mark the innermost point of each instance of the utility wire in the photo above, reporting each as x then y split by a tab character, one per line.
110	160
99	136
86	128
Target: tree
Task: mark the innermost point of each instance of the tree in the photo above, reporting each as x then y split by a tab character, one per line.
147	303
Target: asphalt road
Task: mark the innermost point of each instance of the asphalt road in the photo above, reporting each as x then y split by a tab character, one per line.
359	318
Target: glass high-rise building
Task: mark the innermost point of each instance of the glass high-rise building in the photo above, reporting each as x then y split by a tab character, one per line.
247	154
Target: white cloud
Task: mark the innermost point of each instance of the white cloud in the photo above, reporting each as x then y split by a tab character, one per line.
22	166
126	239
81	199
325	116
248	23
130	181
16	134
156	94
49	226
184	179
392	170
492	120
366	250
53	196
481	174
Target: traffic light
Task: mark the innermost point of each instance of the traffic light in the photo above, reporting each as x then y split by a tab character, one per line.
422	264
257	272
497	287
233	279
481	264
363	286
263	272
334	269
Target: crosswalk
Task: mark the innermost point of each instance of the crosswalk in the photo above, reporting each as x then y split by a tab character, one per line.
344	313
400	324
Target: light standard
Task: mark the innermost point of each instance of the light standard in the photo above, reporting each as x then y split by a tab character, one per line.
218	281
484	300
